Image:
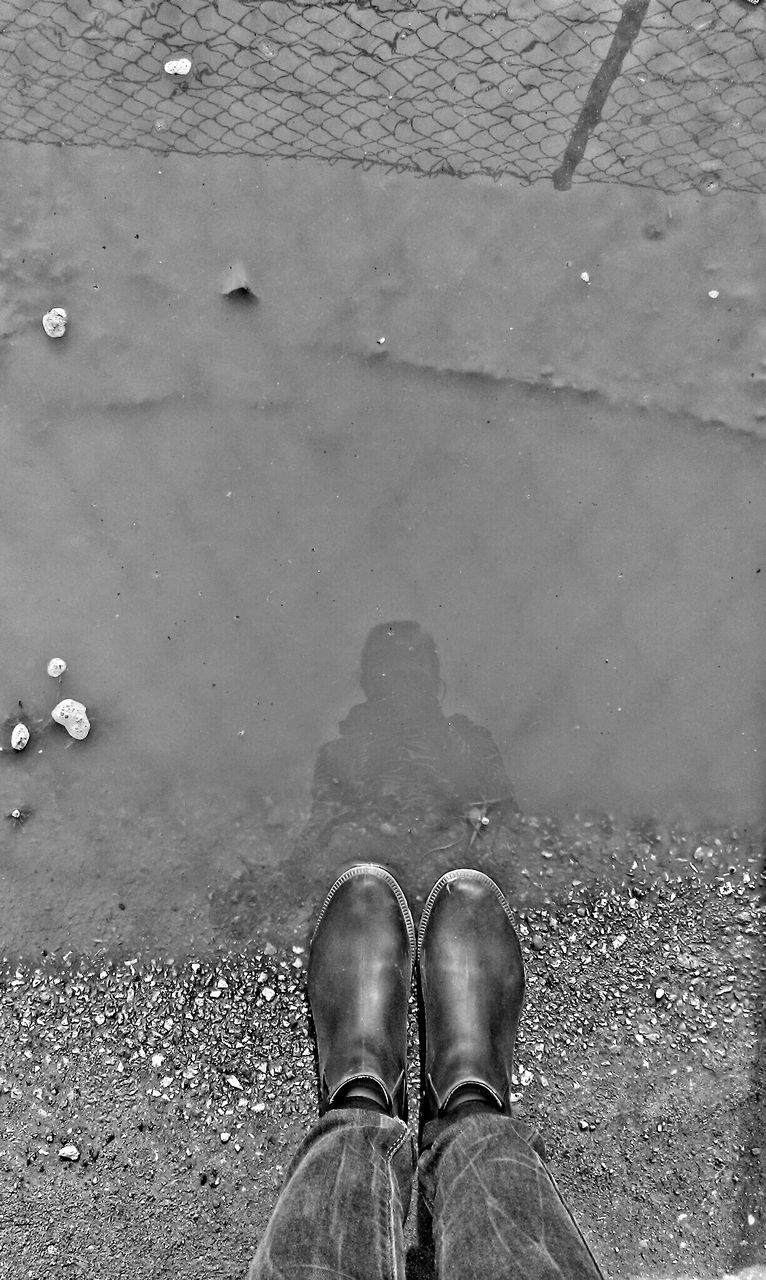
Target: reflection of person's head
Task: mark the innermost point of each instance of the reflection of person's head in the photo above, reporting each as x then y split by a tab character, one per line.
400	657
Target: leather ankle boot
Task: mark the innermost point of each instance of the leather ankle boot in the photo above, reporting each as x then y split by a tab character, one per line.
359	978
470	993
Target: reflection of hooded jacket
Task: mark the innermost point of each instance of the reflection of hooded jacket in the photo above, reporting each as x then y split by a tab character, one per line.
398	757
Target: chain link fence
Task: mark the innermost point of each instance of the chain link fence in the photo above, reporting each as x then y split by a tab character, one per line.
658	93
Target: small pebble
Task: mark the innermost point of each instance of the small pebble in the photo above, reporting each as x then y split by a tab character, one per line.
235	283
537	942
73	716
178	66
69	1152
54	322
56	668
20	737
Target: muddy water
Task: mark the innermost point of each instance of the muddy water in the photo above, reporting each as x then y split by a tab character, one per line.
428	413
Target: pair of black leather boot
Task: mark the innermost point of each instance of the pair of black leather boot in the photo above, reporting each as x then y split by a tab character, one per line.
470	991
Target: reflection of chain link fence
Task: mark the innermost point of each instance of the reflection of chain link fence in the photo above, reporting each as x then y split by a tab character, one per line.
666	94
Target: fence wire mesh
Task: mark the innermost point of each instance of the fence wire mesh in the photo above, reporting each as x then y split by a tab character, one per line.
667	93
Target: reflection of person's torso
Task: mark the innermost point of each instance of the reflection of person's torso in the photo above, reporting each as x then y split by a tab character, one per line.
400	764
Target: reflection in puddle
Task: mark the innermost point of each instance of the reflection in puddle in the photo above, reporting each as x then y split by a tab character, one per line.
402	784
421	791
400	768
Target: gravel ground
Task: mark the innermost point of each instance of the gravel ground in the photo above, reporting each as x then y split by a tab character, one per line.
160	1099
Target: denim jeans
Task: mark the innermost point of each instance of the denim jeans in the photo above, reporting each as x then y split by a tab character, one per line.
496	1211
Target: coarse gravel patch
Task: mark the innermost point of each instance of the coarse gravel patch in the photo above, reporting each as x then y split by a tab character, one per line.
148	1099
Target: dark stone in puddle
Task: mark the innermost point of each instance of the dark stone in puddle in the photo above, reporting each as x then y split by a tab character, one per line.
235	284
242	293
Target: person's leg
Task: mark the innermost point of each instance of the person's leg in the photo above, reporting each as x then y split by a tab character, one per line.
343	1203
496	1210
347	1190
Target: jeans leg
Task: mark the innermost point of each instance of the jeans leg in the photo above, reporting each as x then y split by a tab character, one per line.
496	1211
343	1203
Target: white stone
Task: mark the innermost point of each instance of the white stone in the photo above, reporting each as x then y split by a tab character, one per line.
56	667
73	716
69	1152
54	322
20	737
178	66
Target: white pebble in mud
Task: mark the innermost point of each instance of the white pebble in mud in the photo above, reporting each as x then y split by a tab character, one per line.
178	66
20	737
54	322
56	668
73	716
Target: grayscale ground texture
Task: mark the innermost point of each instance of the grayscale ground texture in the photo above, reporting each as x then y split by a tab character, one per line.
525	409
